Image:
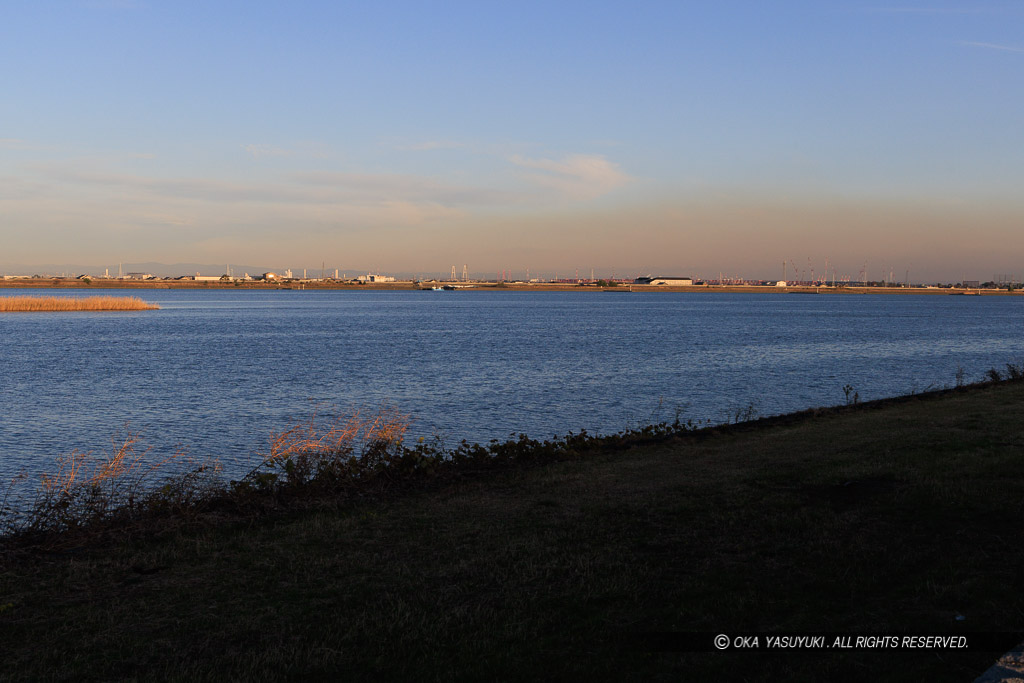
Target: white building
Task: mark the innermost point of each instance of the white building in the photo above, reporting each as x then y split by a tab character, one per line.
664	280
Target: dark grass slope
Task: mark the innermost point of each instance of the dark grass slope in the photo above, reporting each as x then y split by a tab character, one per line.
900	516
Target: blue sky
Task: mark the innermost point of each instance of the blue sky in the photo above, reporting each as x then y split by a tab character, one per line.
682	137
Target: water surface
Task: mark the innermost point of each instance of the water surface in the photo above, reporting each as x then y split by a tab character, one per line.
217	371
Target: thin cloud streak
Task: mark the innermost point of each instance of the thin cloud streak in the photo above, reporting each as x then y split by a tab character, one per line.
430	145
265	151
311	187
930	10
17	144
113	4
578	177
992	46
409	188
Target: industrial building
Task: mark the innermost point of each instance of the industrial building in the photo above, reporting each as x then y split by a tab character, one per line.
661	280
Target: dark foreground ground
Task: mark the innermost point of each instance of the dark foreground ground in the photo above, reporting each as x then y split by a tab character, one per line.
896	518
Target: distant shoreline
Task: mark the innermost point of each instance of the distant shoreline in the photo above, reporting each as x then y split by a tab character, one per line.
407	285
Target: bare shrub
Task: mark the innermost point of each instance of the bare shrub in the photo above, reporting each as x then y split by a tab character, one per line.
85	489
347	446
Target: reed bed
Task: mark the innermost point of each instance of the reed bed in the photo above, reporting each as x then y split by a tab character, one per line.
85	491
34	304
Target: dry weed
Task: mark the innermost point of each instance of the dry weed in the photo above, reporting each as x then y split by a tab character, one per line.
30	304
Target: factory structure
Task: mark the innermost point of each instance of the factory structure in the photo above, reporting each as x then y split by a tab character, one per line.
669	281
793	278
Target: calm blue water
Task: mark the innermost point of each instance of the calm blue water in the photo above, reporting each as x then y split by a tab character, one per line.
217	372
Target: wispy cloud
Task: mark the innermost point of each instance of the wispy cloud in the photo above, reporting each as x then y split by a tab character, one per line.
930	10
579	176
396	187
430	145
203	189
309	150
313	188
267	151
113	4
15	143
158	219
992	46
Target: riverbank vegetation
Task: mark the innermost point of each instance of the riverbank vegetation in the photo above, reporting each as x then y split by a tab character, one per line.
347	553
31	304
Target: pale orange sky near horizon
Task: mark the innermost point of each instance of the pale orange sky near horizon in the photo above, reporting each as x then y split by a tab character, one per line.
939	240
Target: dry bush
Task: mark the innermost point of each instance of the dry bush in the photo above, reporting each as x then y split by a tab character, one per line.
29	304
348	446
85	489
85	492
346	458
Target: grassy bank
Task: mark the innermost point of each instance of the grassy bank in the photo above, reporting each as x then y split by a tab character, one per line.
33	304
891	516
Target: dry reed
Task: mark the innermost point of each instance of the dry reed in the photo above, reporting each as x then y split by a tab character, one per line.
87	489
343	435
31	304
353	445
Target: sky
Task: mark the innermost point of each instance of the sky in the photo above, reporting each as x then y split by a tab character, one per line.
677	137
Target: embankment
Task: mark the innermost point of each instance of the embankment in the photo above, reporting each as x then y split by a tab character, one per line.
895	517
